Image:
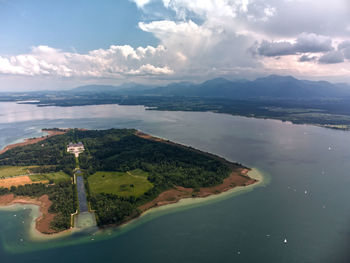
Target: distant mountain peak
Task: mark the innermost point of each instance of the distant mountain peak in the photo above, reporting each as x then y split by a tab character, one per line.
272	86
216	81
278	77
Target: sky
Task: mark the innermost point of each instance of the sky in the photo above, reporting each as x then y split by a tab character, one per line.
46	45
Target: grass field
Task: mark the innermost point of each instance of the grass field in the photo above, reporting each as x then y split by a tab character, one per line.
10	171
56	177
132	183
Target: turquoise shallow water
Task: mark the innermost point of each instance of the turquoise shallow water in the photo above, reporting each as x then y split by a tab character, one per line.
305	202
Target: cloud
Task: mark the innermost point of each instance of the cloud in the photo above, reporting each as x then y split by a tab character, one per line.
222	11
332	57
345	48
101	63
307	58
273	49
200	48
305	43
200	39
313	43
151	70
141	3
322	17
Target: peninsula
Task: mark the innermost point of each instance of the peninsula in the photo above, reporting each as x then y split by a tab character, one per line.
123	172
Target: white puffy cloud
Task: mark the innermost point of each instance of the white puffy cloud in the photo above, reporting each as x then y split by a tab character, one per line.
101	63
141	3
219	11
151	70
199	39
201	49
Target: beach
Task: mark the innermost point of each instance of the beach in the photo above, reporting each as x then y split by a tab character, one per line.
238	178
256	175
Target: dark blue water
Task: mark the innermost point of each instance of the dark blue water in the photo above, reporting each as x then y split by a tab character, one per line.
305	202
83	206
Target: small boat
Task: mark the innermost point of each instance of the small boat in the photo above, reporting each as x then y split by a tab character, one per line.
285	241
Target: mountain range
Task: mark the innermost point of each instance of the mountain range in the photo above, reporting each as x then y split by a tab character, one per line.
270	87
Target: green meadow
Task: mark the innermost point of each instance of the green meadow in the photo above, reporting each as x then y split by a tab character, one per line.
10	171
55	177
131	183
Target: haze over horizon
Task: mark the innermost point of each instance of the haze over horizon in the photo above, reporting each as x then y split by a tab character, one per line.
67	44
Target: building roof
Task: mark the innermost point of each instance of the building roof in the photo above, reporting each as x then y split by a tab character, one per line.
79	144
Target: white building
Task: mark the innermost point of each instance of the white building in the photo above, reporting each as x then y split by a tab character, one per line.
75	148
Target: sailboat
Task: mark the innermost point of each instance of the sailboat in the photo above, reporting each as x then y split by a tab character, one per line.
285	241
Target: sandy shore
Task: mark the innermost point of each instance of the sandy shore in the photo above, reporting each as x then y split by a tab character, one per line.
33	140
43	221
236	179
190	202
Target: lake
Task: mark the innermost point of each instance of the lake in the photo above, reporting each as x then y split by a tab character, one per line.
304	200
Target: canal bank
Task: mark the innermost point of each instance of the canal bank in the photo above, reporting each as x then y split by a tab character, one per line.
84	218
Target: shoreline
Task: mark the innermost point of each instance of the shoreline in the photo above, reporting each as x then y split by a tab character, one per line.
42	222
29	141
183	197
188	201
234	180
40	216
239	178
254	174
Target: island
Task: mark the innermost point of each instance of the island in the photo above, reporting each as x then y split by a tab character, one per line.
111	176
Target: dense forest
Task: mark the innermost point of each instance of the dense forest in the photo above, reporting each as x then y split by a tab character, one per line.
50	155
167	164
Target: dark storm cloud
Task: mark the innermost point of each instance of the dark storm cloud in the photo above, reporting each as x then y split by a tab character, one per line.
305	43
332	57
306	58
345	48
272	49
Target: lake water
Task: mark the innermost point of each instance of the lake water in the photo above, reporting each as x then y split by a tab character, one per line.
306	200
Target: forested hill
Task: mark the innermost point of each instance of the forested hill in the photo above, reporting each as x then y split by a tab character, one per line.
272	87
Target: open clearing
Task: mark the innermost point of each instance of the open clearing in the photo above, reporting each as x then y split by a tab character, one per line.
18	180
14	177
10	171
132	183
55	177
